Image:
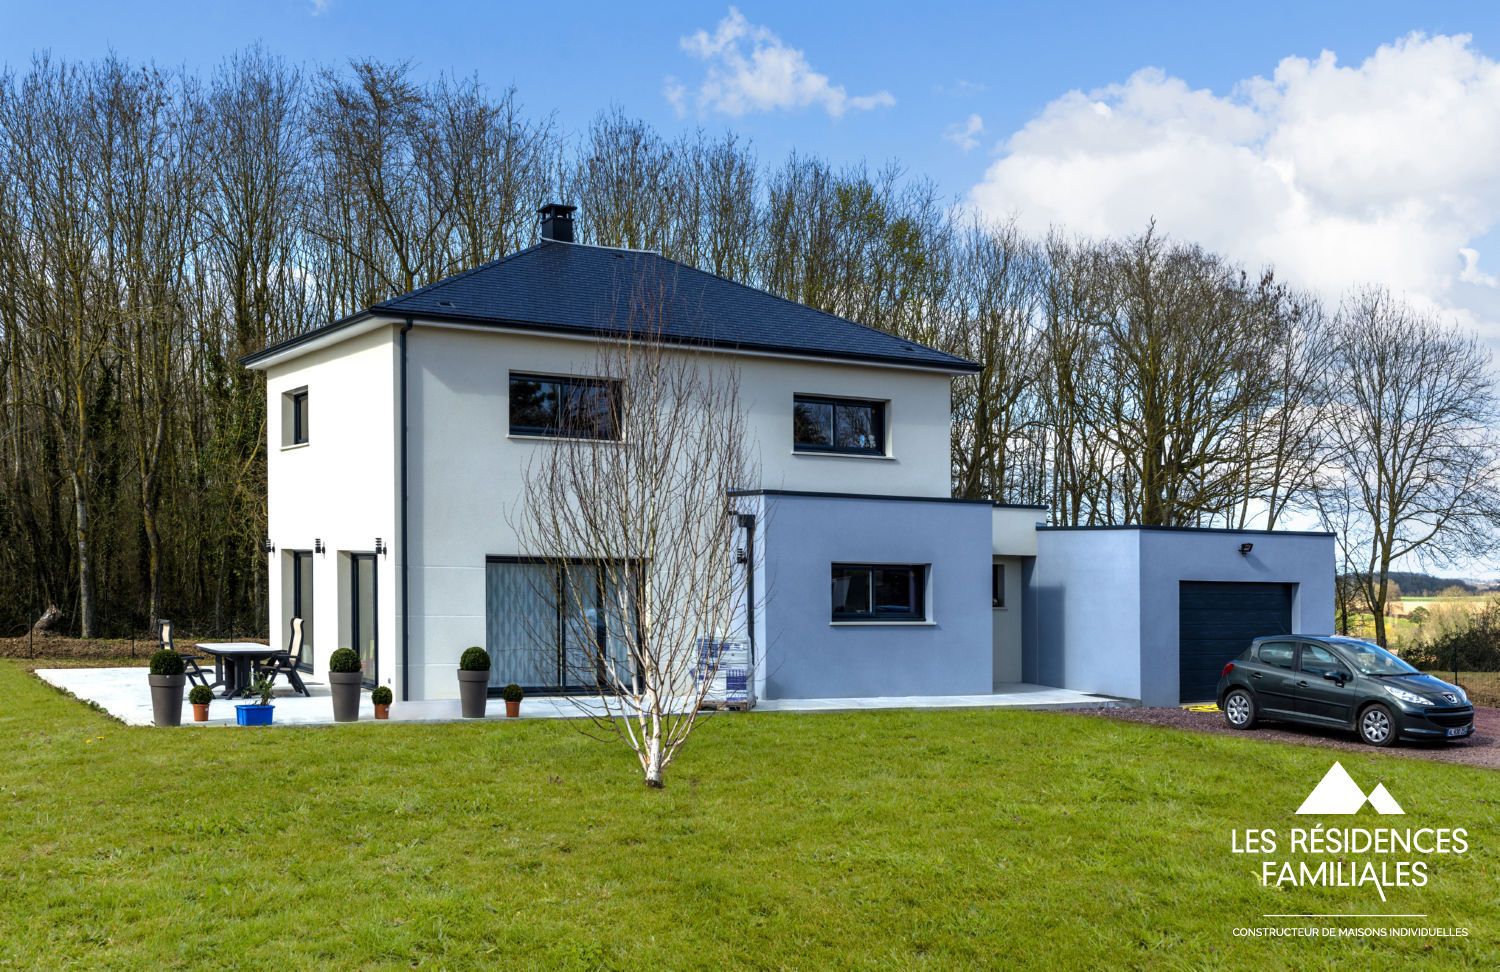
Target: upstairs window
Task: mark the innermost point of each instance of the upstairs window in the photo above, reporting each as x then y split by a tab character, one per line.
879	592
838	425
294	417
564	407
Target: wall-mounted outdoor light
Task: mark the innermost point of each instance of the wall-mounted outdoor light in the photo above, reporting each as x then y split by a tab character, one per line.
318	545
1245	549
379	546
267	546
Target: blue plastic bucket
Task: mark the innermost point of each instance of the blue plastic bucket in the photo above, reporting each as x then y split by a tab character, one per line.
253	715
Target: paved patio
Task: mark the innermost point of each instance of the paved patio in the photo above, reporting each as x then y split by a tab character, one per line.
124	694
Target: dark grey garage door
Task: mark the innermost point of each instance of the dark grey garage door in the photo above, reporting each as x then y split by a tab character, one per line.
1217	621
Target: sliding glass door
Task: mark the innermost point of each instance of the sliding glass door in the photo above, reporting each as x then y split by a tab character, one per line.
552	628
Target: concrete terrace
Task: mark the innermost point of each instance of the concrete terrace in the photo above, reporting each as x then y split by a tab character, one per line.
125	695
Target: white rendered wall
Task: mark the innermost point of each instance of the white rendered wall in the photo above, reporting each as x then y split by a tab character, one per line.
466	472
341	487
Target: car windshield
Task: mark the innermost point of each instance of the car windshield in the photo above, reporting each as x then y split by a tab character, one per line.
1371	659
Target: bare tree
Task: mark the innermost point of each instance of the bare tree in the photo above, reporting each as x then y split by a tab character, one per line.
640	488
1414	443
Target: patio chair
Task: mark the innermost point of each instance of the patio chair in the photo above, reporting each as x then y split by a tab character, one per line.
285	663
190	665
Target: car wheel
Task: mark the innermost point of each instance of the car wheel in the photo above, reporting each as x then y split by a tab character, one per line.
1239	709
1377	726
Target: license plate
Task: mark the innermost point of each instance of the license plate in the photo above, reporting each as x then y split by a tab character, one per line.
1460	731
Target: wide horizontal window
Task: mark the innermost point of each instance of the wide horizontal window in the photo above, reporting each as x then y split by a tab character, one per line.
879	592
567	407
842	425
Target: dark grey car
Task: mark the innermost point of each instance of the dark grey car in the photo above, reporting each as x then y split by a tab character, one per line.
1341	683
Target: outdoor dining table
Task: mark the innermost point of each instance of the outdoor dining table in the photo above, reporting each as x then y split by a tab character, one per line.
239	657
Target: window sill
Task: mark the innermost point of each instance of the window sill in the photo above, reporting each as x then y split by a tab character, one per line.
521	437
295	445
882	624
842	455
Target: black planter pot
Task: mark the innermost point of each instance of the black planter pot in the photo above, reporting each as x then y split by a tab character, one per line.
345	688
473	692
166	699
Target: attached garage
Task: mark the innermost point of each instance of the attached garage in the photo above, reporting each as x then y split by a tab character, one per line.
1153	613
1216	621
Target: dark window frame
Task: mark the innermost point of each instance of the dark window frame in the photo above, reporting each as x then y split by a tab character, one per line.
880	422
874	614
997	586
301	416
558	431
302	567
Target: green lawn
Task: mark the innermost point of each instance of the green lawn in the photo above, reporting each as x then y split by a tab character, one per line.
877	840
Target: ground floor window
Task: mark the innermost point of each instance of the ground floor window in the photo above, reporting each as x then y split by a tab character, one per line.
997	585
879	592
552	627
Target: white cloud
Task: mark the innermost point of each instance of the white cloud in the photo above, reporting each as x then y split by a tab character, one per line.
751	69
1378	172
319	7
965	134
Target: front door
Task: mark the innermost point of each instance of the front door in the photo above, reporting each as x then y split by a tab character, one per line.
363	631
1318	697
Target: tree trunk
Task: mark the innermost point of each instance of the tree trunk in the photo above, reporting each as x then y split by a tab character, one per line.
85	560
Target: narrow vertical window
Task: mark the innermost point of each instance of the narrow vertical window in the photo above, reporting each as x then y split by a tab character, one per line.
299	417
997	585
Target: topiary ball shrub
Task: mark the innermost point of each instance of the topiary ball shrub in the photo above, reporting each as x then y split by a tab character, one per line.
167	662
381	695
344	660
201	695
474	659
512	693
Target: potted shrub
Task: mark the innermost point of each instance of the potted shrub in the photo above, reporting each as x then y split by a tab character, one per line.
343	680
512	695
382	699
473	681
256	714
167	679
200	696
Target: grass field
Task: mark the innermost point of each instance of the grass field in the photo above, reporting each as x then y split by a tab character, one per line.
979	838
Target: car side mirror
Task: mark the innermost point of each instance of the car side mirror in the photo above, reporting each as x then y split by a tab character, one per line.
1337	676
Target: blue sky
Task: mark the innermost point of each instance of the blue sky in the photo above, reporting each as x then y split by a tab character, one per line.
940	62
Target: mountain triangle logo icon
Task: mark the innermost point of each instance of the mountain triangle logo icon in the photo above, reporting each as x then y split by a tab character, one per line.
1338	793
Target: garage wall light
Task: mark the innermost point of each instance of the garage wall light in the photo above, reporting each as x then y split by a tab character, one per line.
1245	549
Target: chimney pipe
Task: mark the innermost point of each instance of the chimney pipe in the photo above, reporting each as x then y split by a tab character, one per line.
557	222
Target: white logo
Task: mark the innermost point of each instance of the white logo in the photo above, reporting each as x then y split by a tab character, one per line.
1338	793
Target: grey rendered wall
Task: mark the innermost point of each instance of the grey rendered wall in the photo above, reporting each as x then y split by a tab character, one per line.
1086	604
1170	557
805	656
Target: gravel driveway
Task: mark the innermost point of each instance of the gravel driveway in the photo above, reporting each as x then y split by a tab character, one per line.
1480	749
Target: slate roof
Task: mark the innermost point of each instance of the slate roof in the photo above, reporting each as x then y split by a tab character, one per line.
580	289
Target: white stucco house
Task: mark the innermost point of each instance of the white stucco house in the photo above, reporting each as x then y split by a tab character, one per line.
398	435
